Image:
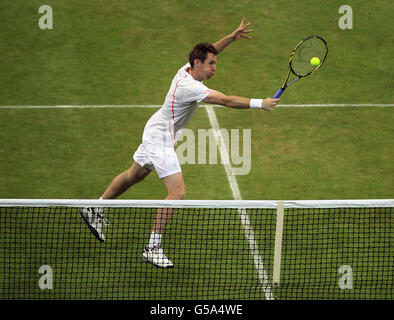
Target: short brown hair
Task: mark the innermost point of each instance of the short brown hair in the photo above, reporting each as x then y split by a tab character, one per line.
200	52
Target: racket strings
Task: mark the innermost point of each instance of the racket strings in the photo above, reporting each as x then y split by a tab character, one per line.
301	62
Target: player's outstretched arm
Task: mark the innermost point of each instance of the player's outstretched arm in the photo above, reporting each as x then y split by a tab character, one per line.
240	32
216	97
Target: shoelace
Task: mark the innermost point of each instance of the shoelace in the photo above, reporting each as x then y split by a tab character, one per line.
100	218
154	248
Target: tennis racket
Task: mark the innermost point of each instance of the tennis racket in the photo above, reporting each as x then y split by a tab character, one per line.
300	60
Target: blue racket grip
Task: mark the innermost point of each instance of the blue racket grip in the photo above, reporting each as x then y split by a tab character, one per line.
278	93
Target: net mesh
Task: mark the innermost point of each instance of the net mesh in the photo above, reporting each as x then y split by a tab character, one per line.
218	253
310	48
341	253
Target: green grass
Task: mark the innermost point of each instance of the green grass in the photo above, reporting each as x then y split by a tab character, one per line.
126	52
317	153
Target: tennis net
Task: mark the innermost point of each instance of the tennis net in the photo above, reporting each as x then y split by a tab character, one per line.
242	250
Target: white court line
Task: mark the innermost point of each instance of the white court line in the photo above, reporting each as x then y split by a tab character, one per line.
242	212
131	106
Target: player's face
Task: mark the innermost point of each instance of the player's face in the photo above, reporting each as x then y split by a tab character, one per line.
208	68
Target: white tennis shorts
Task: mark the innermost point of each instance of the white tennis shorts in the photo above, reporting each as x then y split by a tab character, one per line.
163	159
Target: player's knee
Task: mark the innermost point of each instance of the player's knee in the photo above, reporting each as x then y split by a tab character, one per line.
177	194
181	195
140	177
135	176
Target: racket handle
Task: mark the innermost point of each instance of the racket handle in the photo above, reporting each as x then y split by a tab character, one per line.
278	93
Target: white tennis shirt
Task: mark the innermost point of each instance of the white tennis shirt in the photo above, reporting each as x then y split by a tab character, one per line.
182	100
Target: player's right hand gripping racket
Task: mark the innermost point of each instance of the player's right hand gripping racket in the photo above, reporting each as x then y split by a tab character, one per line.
300	60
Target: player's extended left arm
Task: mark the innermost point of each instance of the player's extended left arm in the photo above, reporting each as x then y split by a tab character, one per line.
238	33
216	97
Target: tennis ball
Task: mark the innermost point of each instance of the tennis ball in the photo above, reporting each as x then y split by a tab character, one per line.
315	61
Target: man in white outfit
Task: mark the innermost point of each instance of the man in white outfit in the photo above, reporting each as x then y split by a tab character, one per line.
157	150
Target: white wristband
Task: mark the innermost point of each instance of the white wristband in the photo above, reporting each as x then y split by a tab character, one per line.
256	103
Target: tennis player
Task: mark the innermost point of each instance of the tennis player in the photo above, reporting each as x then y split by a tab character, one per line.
157	150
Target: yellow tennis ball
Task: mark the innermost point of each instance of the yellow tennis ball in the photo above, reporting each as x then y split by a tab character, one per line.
315	61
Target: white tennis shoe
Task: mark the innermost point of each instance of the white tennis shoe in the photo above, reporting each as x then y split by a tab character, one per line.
94	218
155	255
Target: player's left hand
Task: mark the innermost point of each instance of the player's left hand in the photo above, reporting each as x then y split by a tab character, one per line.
241	31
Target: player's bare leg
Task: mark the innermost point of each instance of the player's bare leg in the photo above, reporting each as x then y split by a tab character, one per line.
94	217
154	253
176	191
125	180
